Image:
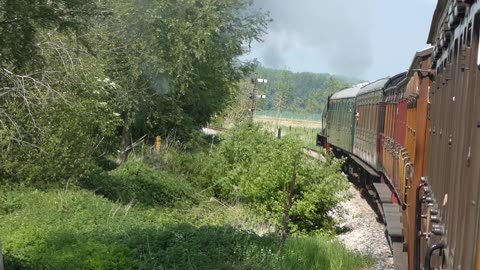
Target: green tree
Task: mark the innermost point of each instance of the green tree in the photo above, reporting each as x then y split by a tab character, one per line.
24	72
54	114
21	21
187	62
283	93
91	74
237	110
59	120
314	102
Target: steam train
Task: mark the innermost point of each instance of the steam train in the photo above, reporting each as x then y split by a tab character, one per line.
413	140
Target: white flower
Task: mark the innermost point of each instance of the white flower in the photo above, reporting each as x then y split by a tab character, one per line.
103	103
116	114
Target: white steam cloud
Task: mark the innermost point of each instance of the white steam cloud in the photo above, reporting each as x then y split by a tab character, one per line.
337	33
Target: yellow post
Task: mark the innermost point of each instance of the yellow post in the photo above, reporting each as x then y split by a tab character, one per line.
158	143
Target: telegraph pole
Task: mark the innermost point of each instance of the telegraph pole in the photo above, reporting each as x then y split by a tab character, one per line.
254	96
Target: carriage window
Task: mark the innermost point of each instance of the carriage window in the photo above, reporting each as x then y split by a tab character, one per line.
370	117
367	114
469	35
478	52
455	49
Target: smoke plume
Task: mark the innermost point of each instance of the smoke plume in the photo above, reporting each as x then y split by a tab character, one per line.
337	33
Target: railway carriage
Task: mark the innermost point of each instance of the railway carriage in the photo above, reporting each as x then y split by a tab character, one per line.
341	118
366	134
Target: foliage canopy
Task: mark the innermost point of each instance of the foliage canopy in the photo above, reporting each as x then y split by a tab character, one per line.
81	80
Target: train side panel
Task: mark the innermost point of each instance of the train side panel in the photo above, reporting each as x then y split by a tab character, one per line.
418	87
367	134
341	119
394	136
453	163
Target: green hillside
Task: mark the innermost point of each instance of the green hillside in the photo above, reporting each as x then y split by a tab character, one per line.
307	92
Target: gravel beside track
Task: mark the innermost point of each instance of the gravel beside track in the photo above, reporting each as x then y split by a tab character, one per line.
364	233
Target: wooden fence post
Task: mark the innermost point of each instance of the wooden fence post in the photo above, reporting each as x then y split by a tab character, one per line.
158	144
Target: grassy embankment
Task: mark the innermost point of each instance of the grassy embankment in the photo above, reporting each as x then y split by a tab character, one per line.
148	214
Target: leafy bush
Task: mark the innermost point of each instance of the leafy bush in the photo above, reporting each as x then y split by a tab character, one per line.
137	182
63	151
251	166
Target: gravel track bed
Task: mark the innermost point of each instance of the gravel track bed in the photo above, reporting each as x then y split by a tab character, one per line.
364	233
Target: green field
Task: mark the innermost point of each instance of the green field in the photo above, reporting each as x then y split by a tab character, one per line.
291	115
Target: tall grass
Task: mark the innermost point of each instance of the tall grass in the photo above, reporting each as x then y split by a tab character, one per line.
307	136
320	252
76	229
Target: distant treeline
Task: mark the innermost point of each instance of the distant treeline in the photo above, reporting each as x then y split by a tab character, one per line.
309	91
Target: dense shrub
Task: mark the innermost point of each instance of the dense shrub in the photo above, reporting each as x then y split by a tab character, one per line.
253	167
64	150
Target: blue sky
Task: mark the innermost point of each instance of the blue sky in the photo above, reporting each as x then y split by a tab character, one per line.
366	39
